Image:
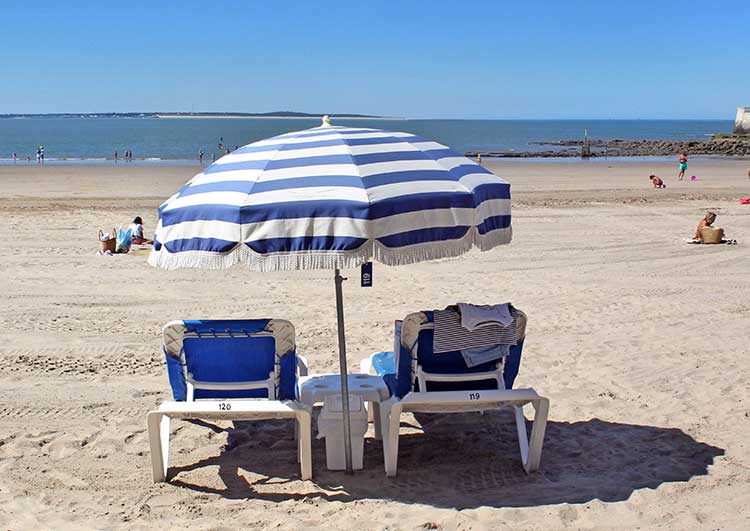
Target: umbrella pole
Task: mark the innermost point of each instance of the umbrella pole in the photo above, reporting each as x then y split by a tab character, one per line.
342	368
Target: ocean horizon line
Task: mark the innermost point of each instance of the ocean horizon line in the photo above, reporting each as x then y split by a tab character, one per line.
334	116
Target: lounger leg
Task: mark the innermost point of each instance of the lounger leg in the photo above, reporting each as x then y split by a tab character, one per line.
523	441
304	450
531	451
296	439
391	417
158	437
374	412
541	407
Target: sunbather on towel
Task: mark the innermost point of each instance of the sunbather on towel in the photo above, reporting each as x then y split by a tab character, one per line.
136	229
707	221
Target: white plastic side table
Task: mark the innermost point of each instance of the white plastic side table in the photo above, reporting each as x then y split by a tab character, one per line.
313	390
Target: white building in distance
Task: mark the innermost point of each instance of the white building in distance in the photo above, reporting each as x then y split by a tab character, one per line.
742	121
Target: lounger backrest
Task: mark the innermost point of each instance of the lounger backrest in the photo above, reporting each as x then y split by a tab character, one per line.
417	331
227	353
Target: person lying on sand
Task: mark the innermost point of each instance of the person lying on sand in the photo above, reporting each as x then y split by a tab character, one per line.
656	181
136	230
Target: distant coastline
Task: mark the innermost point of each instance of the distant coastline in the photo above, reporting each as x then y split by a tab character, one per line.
277	114
717	145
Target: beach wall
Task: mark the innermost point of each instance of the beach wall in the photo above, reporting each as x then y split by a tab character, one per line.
742	121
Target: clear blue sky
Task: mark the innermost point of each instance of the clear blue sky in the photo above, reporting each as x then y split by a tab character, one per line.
624	59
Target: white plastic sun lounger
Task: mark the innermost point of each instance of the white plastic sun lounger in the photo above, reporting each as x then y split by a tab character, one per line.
411	375
230	370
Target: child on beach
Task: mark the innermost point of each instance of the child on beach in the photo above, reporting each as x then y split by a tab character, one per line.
136	230
683	165
657	182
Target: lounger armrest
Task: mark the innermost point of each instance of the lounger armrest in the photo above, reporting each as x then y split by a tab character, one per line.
302	365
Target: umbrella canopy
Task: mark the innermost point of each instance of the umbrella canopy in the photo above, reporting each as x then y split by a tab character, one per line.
332	197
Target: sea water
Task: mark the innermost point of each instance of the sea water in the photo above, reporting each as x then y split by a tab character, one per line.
155	141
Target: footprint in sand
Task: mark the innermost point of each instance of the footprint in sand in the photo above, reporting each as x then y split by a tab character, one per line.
69	445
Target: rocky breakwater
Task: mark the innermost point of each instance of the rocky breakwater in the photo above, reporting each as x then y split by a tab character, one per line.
727	145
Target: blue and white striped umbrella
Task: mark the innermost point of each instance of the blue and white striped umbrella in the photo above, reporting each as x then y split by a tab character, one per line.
332	197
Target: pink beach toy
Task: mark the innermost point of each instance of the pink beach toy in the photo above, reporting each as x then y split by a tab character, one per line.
745	201
693	178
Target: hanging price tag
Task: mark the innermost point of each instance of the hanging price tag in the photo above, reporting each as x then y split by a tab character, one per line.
367	275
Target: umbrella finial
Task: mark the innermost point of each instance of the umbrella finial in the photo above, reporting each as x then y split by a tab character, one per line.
326	121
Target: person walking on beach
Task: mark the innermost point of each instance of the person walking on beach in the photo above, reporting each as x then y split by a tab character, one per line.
14	159
683	166
39	155
200	156
115	156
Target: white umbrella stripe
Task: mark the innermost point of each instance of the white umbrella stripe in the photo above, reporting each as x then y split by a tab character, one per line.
273	175
309	193
276	153
330	226
326	135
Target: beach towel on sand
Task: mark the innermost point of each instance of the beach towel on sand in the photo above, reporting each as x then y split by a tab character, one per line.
697	241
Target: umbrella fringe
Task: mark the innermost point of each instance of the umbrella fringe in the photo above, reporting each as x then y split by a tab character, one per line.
488	241
330	259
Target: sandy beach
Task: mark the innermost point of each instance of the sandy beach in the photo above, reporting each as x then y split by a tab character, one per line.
639	340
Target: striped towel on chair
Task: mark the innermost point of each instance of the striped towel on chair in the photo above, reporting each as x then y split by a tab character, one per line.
450	336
